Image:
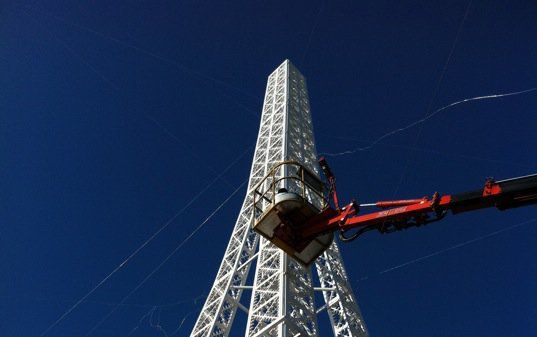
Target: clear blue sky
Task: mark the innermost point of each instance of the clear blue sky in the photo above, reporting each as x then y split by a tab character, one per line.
114	115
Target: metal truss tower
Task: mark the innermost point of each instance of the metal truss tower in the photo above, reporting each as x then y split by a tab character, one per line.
282	300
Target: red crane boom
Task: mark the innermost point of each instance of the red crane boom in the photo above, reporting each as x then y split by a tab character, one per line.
299	231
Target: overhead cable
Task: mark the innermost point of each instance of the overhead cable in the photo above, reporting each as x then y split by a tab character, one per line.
157	268
422	120
444	250
142	246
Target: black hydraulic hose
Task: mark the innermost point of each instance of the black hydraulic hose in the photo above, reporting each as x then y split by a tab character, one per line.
355	235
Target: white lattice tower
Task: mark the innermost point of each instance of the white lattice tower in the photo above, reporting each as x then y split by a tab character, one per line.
282	295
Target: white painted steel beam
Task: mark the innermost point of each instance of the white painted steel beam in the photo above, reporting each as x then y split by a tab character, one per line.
282	297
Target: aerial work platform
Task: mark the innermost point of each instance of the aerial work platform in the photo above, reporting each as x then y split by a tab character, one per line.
287	197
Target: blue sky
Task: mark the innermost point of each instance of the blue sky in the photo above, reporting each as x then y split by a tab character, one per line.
115	115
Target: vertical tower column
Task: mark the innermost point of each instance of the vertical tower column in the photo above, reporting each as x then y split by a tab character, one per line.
282	300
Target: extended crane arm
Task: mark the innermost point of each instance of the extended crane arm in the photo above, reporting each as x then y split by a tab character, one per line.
291	210
401	214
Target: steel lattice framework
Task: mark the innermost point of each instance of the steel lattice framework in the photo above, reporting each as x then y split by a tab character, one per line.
282	300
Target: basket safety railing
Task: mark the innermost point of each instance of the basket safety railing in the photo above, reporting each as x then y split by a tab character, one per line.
288	176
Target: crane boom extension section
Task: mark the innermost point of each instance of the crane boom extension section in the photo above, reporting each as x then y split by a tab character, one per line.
503	195
295	234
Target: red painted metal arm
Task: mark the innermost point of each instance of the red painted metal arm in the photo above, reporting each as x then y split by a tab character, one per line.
504	194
